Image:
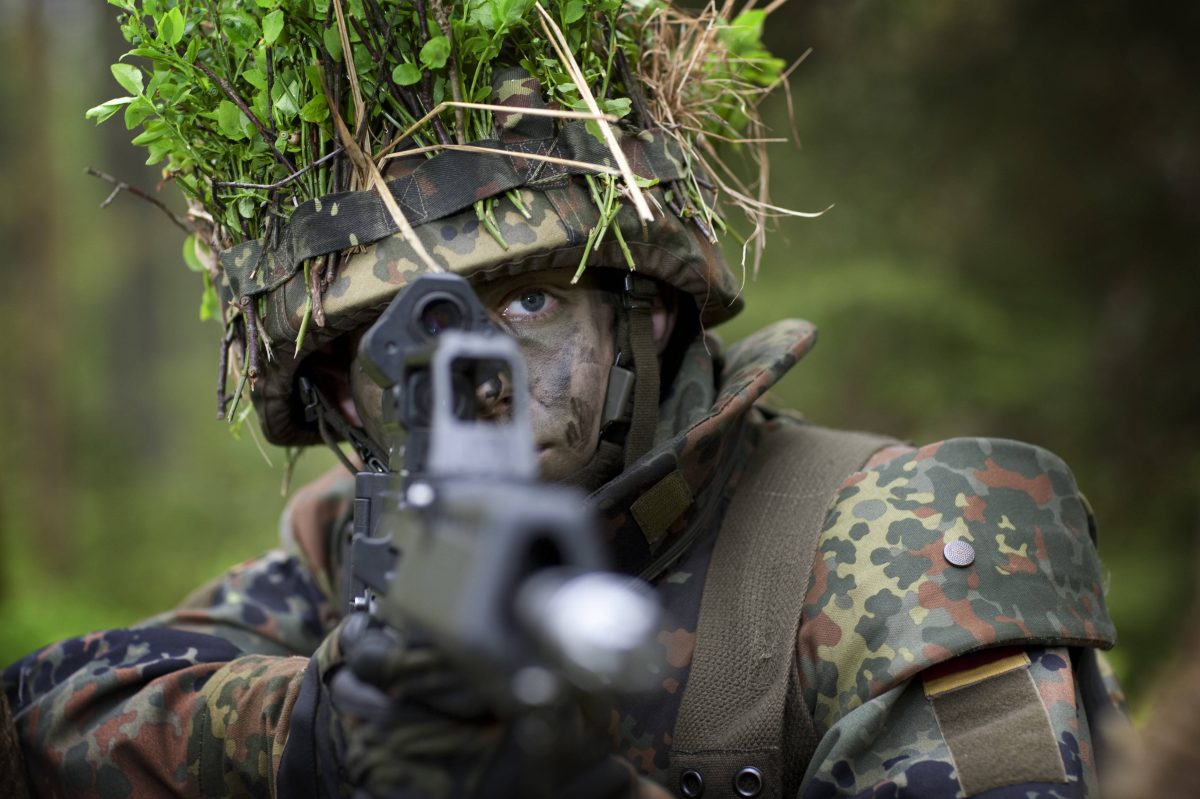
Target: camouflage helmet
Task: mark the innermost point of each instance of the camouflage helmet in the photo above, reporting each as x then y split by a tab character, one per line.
273	151
546	226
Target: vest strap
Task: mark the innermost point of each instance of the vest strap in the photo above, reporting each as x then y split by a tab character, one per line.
743	730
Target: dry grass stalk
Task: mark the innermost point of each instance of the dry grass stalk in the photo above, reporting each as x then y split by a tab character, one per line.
563	50
366	165
682	44
471	148
445	104
360	108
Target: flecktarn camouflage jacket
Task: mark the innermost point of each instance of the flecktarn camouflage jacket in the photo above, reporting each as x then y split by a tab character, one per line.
927	671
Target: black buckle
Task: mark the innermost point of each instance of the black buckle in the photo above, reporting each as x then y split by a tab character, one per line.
639	291
308	396
317	409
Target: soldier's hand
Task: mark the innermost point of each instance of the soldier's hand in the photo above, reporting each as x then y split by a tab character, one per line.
405	724
412	726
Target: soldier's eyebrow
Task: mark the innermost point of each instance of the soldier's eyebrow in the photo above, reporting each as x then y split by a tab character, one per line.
491	292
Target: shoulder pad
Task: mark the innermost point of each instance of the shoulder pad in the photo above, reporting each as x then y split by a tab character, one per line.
885	602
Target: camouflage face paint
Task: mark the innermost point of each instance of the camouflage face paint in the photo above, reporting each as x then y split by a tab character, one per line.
565	333
368	398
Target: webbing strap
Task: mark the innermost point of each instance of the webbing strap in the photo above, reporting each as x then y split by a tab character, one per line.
440	186
645	388
740	710
639	304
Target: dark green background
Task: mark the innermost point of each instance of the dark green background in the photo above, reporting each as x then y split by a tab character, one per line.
1011	253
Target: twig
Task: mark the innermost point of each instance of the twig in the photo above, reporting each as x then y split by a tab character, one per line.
275	214
315	288
270	54
378	21
360	108
775	208
236	99
250	315
223	372
403	96
699	48
136	192
337	172
366	35
329	271
732	139
280	183
783	76
676	191
635	90
439	129
443	20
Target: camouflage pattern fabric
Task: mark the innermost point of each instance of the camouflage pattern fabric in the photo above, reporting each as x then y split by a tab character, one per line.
191	703
891	746
215	698
885	603
12	764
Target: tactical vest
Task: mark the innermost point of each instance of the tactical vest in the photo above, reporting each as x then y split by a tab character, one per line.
753	736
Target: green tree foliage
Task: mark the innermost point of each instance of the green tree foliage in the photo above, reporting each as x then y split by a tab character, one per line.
1011	253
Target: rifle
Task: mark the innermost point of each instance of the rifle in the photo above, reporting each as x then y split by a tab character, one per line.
456	541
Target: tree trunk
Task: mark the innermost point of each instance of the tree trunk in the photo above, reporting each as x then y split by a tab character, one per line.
37	303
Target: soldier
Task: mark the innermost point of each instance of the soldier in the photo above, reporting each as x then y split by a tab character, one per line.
846	615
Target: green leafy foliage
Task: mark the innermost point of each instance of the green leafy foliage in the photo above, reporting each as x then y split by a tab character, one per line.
129	76
272	26
235	92
406	74
743	38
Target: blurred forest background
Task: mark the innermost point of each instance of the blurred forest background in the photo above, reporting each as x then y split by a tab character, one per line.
1012	252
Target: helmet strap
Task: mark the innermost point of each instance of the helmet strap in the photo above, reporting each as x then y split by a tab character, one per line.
630	415
332	425
638	302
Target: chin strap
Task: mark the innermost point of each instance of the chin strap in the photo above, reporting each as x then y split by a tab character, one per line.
630	415
330	421
638	301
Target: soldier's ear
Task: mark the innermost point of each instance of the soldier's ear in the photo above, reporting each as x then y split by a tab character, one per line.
663	316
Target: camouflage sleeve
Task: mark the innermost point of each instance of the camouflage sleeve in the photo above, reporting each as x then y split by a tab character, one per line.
953	584
194	702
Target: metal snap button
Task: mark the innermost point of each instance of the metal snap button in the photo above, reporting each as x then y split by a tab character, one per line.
748	782
959	553
691	784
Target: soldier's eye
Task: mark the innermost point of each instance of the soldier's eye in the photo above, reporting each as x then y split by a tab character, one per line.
528	304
